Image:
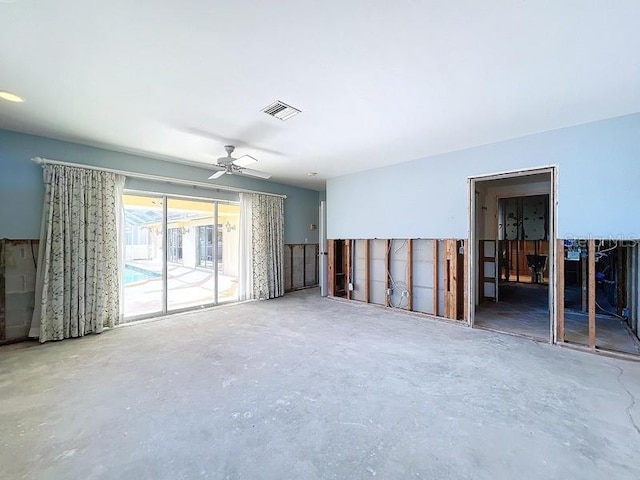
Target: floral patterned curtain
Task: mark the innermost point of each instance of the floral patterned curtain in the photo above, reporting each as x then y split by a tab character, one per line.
262	275
78	285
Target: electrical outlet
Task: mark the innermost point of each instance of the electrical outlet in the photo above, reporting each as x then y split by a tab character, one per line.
351	287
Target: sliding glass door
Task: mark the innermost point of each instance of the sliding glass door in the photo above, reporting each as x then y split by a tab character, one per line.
188	284
228	249
200	266
143	292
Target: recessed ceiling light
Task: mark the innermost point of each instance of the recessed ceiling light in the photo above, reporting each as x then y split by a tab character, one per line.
312	174
10	97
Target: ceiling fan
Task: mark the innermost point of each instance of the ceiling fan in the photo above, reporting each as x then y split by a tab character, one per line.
236	166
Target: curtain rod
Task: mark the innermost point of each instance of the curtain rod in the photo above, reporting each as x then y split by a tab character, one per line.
157	178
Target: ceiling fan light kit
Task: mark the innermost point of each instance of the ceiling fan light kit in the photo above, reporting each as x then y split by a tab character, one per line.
236	166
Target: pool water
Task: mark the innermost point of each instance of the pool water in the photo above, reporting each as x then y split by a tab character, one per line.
133	275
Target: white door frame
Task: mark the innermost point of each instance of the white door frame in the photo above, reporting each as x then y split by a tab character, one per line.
473	249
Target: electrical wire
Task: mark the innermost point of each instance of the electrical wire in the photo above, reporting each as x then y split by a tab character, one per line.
607	312
401	287
33	255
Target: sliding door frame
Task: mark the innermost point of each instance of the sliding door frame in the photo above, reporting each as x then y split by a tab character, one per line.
165	197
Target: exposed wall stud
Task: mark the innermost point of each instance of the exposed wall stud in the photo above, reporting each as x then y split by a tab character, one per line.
387	263
592	293
410	273
435	277
560	289
347	260
465	246
331	251
367	280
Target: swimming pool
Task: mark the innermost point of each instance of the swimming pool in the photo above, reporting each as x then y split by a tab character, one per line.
134	274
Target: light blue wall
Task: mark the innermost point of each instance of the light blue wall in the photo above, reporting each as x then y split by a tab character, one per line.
21	188
598	186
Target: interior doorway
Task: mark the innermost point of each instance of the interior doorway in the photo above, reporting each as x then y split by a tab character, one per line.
512	246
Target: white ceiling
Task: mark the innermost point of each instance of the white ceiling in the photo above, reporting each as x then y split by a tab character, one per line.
378	82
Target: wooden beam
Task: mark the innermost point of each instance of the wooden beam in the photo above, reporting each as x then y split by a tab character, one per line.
465	246
451	295
592	293
622	278
366	272
560	290
410	273
331	267
585	286
435	277
387	263
3	306
347	264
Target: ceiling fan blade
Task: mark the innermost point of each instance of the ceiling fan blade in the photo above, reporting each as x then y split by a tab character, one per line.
244	161
254	173
217	174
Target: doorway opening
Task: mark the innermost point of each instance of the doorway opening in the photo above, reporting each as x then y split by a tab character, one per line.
512	235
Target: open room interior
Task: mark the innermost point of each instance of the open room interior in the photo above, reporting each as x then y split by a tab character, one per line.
306	387
513	230
221	258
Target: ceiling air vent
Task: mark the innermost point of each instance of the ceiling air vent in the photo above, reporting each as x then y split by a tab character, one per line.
281	110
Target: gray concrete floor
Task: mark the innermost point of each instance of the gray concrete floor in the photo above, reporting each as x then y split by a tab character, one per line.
523	310
306	388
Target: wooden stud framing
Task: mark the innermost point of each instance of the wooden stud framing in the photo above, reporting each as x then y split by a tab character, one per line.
592	293
387	263
585	287
3	307
435	277
622	279
366	272
465	246
347	261
451	273
560	290
410	273
331	267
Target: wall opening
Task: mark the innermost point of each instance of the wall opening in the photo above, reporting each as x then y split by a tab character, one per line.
513	220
